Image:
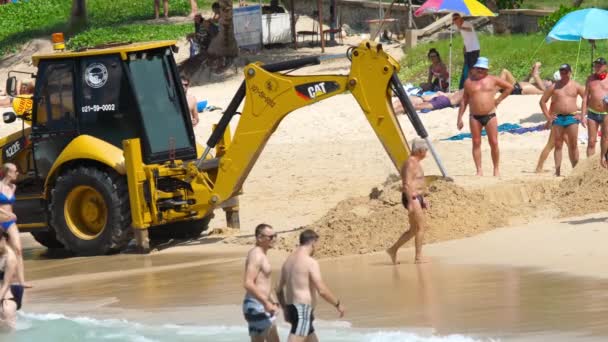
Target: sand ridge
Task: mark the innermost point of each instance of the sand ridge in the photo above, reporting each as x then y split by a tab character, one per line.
367	224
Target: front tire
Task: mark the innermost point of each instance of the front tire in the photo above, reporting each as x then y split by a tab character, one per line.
48	239
90	211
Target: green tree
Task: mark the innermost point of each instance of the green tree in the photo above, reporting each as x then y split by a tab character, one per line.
224	44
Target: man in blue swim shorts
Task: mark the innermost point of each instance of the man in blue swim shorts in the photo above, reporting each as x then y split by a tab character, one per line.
258	307
563	114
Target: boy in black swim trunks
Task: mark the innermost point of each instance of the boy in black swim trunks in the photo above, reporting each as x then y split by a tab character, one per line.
412	178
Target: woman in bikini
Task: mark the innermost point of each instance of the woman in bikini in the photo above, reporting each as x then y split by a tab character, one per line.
438	74
8	218
11	295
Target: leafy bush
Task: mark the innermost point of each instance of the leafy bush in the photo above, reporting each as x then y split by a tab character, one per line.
546	23
128	33
25	20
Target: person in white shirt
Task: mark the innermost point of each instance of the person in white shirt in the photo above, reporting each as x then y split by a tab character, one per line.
471	46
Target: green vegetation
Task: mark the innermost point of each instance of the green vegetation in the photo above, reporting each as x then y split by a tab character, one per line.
555	4
39	18
515	53
546	23
129	33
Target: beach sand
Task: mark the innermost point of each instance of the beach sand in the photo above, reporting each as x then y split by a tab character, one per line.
519	256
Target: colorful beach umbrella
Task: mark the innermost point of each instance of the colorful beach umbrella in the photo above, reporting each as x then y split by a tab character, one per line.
470	8
589	23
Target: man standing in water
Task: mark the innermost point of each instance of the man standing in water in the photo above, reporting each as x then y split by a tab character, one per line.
258	308
297	291
563	115
479	94
594	106
412	178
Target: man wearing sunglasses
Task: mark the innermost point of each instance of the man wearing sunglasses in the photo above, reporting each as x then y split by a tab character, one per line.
596	108
563	115
258	307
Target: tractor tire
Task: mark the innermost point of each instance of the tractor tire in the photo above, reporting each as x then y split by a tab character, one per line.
48	239
191	229
90	211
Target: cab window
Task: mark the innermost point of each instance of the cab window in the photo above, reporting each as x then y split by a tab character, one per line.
55	106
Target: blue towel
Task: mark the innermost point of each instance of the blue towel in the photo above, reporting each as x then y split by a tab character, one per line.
506	128
201	105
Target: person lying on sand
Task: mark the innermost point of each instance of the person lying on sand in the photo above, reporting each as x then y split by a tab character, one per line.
526	87
436	101
412	178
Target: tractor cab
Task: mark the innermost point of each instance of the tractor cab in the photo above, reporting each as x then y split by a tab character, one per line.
100	97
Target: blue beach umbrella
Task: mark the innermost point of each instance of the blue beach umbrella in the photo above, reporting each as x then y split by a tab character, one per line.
589	23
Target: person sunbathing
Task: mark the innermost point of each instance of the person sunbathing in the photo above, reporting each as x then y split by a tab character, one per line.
526	87
439	100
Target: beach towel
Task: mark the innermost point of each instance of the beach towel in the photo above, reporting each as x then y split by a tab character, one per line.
504	128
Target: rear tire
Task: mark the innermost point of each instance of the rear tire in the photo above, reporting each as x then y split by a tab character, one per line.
190	229
90	211
48	239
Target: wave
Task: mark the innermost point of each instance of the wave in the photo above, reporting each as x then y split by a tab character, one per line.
58	327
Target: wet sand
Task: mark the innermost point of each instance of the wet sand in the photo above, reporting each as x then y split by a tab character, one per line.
202	284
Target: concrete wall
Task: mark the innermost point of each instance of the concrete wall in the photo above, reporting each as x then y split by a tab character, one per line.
355	13
519	21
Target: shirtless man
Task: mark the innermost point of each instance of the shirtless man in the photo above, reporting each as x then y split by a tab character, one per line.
594	106
412	178
297	291
191	102
258	308
479	92
563	114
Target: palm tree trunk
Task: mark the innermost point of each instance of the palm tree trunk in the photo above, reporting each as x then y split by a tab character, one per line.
224	44
577	3
78	20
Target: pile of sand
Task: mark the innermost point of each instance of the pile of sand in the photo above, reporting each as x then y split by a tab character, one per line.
585	190
370	224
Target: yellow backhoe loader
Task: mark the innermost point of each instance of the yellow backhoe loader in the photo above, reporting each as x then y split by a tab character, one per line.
109	153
